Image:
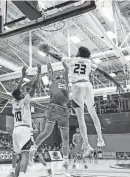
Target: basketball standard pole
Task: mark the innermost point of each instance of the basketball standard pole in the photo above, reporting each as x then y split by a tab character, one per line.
2	16
30	49
68	33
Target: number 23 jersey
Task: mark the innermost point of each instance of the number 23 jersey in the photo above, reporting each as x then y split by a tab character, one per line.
21	111
79	68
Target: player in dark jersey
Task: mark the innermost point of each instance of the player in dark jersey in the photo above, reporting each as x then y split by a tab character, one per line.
57	111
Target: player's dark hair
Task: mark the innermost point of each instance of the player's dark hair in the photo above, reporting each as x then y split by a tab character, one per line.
84	52
16	93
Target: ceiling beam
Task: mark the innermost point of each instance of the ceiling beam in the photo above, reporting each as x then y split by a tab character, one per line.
31	71
111	44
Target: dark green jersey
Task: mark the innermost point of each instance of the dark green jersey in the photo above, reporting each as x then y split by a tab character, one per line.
59	93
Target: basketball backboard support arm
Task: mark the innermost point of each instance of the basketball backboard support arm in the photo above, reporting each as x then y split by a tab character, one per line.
61	15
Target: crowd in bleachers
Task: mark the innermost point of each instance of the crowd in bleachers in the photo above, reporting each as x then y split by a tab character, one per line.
5	144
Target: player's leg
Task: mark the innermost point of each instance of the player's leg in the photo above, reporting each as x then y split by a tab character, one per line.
63	123
65	145
16	150
40	159
51	119
14	161
78	96
24	157
17	168
49	126
89	100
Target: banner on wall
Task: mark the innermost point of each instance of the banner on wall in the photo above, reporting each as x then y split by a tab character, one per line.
109	155
123	155
6	155
55	156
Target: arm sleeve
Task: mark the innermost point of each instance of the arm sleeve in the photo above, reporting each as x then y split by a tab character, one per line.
27	99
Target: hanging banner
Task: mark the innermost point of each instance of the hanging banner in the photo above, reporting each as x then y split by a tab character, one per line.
109	155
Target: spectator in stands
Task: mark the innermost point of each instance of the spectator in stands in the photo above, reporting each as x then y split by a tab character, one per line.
5	143
54	149
49	148
57	148
1	143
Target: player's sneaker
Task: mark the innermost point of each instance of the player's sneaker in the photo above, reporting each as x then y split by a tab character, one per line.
65	170
12	174
49	171
101	143
88	151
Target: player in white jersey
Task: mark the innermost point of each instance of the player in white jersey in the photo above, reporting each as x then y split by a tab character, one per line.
22	118
82	90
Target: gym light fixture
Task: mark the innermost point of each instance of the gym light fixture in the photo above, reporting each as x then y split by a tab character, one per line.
42	53
110	34
26	79
97	60
108	13
75	39
127	57
112	74
45	80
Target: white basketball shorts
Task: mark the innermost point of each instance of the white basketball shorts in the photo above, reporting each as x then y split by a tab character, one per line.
82	92
21	136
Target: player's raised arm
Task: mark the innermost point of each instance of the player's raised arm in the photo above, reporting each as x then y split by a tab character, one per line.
23	75
46	49
119	88
50	72
66	72
35	82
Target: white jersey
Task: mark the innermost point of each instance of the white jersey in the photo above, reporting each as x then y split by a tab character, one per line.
21	111
79	68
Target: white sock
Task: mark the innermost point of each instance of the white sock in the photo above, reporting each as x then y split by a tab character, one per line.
35	146
21	174
65	159
13	170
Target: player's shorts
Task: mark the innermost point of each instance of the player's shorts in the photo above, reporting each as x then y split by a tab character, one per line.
82	92
21	139
59	114
78	150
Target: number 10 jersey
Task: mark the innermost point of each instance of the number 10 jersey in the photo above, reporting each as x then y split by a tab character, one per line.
21	111
79	68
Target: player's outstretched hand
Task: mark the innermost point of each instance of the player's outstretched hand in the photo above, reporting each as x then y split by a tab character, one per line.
39	68
24	71
44	47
